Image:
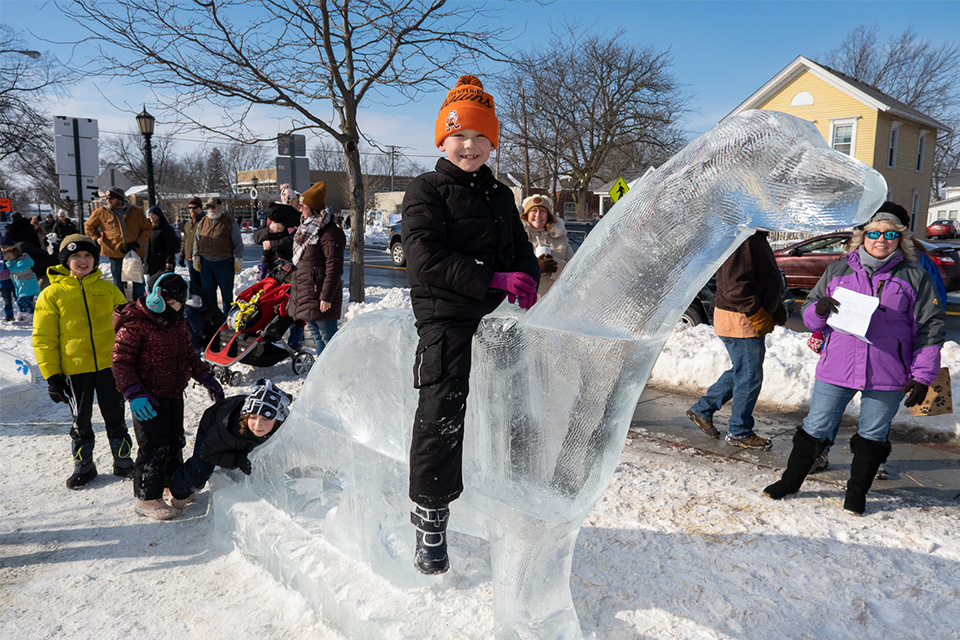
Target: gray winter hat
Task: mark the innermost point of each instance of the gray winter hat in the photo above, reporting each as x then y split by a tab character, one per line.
268	400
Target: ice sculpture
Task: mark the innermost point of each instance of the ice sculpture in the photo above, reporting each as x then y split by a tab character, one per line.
553	391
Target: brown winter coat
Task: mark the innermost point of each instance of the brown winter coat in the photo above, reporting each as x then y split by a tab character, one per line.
152	353
554	235
104	225
318	277
746	282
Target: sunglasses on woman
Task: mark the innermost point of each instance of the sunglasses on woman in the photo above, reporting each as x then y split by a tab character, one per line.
875	235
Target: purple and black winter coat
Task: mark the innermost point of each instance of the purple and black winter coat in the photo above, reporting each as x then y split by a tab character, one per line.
905	332
153	353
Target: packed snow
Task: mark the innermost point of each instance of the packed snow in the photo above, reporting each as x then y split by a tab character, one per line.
681	545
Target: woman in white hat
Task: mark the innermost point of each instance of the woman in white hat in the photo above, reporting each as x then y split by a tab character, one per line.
548	235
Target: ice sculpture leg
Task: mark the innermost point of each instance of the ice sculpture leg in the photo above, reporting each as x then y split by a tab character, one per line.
553	392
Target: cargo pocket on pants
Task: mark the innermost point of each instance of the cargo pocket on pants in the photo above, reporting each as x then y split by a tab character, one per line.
428	366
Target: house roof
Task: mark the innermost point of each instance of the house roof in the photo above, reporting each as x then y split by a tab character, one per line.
953	179
948	201
861	91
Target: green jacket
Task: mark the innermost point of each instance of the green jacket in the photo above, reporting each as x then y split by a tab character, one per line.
73	323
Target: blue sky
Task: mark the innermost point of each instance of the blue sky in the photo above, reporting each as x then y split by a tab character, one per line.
722	51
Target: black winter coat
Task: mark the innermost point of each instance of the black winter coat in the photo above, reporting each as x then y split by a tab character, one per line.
459	229
281	245
219	440
64	229
318	276
162	247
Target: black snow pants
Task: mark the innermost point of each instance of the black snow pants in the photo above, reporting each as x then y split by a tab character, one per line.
442	374
83	387
160	442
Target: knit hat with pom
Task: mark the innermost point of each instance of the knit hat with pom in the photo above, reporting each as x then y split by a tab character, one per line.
468	107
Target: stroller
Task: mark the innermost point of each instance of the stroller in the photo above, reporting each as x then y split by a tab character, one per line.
257	319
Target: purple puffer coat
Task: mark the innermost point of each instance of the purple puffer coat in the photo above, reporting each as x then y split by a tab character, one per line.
905	332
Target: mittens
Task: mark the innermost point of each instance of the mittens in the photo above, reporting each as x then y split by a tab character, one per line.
826	306
547	264
762	322
916	392
213	387
58	388
816	341
520	287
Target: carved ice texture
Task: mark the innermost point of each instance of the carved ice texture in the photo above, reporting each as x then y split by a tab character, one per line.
553	393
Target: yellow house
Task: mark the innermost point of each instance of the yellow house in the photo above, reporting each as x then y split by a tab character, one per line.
855	118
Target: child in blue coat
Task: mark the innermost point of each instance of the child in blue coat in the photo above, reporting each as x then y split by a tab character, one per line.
25	282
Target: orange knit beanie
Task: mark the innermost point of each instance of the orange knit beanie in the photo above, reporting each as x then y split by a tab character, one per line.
315	197
468	107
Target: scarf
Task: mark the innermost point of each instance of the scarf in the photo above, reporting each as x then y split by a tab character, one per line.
870	264
308	233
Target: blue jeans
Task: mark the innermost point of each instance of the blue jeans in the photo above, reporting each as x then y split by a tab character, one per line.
296	336
116	269
7	293
322	332
877	409
740	383
218	274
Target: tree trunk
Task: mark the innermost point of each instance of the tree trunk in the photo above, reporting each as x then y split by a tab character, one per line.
355	178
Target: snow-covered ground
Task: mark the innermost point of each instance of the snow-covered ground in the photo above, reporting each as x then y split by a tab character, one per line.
680	546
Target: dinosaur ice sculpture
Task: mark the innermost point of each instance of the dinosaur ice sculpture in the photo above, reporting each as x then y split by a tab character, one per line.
553	391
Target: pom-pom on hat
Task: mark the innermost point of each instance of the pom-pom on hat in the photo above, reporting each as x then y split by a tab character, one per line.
268	400
468	107
315	197
289	195
78	242
537	201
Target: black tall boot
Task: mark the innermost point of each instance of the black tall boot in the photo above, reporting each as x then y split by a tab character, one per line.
83	468
868	455
430	558
806	448
122	450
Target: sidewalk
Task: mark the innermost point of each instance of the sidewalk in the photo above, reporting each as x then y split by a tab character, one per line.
925	470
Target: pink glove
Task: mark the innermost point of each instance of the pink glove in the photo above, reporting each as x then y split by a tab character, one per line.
816	341
520	287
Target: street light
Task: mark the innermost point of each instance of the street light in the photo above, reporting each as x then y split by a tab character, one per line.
24	52
253	217
145	123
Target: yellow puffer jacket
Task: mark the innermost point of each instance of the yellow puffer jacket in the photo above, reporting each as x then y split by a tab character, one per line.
73	323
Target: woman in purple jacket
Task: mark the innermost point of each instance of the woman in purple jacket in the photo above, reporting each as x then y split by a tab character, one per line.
901	357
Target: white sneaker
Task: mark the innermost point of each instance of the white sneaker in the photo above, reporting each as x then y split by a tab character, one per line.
156	509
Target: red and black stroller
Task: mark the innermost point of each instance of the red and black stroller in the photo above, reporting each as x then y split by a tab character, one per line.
253	333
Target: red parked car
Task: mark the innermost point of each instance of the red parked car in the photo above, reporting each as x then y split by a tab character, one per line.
804	262
942	229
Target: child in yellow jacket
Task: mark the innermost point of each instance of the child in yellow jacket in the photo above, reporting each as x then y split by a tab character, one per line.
73	340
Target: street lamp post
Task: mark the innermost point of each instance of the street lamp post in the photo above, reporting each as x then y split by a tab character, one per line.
254	206
24	52
145	123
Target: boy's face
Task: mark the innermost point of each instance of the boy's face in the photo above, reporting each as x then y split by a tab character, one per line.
81	263
260	426
467	148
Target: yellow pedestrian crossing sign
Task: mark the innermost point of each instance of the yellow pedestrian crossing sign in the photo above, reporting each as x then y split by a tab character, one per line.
618	190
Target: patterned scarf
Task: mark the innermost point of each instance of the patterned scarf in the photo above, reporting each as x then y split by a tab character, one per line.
308	233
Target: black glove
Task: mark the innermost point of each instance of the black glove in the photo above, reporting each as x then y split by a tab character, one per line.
58	388
243	463
780	315
125	247
182	262
826	306
547	264
917	392
133	246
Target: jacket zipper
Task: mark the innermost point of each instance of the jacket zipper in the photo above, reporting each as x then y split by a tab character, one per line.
900	357
83	292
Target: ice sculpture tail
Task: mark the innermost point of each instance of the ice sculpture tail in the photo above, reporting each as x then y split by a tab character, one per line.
553	390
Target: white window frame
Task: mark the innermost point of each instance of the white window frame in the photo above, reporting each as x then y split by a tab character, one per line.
839	122
892	146
921	149
569	208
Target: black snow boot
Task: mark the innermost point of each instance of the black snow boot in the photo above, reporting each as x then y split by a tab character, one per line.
83	468
430	558
806	448
122	449
868	455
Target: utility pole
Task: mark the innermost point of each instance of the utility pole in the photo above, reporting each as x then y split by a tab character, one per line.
393	173
526	150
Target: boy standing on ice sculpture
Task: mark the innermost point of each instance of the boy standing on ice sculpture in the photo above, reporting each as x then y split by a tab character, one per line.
466	250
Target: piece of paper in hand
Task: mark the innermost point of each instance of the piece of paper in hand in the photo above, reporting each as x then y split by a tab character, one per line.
856	311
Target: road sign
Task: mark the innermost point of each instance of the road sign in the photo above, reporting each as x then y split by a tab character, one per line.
77	153
262	215
295	171
618	190
6	206
292	145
